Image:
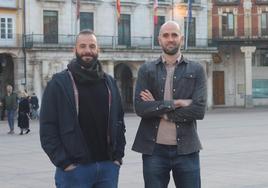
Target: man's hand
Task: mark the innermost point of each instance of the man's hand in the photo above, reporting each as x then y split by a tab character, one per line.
146	95
182	102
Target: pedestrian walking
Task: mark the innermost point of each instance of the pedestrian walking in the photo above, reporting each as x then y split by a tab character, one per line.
170	96
24	113
82	129
10	101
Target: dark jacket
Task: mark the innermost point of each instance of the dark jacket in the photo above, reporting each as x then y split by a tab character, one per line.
23	113
189	82
11	102
34	102
60	133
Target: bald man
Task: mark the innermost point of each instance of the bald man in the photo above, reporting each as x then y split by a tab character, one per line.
170	96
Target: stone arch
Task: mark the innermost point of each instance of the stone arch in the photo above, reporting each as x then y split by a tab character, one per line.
6	72
123	75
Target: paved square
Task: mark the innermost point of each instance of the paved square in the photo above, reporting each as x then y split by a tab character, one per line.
235	153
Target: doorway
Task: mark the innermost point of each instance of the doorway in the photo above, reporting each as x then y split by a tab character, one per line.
123	75
218	88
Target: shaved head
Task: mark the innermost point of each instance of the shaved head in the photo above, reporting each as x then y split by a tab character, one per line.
169	24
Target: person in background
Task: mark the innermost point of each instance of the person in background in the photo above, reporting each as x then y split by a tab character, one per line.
170	95
10	101
82	127
34	104
24	113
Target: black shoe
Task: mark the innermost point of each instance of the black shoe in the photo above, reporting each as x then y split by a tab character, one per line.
28	130
21	133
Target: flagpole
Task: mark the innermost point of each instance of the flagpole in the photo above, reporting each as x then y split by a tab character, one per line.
115	25
155	20
172	11
117	20
187	25
77	17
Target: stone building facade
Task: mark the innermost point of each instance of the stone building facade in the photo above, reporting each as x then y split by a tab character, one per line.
51	25
239	28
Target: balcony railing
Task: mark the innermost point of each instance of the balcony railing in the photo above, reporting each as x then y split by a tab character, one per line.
253	36
162	2
227	2
241	32
110	42
193	1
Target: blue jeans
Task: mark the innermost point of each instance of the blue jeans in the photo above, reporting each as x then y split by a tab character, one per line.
185	168
10	119
93	175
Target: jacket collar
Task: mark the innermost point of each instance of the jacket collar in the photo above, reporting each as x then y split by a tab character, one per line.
182	60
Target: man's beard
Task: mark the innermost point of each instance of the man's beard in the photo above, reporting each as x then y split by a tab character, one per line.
173	51
79	58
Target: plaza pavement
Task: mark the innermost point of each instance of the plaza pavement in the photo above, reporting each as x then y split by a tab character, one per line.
235	153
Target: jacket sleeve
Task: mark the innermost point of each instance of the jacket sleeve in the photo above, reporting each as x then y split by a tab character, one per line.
121	129
49	130
196	110
149	109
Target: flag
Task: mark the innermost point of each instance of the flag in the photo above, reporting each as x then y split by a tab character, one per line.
118	10
155	12
189	19
77	9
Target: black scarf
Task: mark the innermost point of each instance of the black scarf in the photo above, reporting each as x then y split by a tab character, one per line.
86	72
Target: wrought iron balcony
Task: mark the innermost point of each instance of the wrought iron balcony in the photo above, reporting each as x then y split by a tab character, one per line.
106	42
227	2
162	3
193	1
241	36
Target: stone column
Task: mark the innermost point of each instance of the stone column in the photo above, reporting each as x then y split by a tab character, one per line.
19	80
248	50
37	80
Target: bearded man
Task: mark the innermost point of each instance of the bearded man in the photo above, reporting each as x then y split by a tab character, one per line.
170	96
82	129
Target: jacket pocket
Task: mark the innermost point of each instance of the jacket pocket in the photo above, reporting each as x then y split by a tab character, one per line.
188	84
66	127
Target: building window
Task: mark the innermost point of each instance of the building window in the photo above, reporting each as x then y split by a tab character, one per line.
161	21
190	30
260	88
50	26
264	60
86	20
124	35
6	29
228	24
264	23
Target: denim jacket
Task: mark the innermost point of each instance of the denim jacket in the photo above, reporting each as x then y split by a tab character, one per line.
189	82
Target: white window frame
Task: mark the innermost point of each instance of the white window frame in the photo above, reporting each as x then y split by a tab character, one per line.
8	42
13	33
